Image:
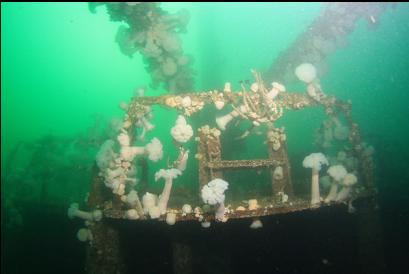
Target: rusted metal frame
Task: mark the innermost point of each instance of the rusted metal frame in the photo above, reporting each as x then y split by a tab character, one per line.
253	163
281	155
366	163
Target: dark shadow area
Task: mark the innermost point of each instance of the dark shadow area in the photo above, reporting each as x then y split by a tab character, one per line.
45	243
321	241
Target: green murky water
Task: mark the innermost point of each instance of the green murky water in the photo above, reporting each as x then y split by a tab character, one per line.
63	77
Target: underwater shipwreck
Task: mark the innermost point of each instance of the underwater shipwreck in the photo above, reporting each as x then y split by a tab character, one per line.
121	173
113	196
190	166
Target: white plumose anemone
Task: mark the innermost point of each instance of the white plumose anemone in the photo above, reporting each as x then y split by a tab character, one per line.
123	139
154	212
222	121
154	150
132	214
337	173
84	234
306	72
171	218
256	224
213	194
253	204
315	162
219	104
132	199
278	173
275	90
73	211
168	175
182	131
187	209
347	183
149	200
